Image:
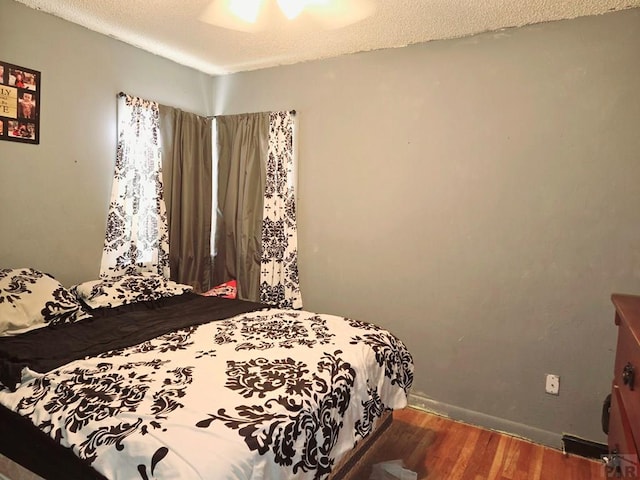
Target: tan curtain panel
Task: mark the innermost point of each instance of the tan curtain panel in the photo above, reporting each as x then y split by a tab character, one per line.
186	159
242	149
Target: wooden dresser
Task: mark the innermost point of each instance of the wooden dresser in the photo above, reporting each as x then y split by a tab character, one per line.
624	416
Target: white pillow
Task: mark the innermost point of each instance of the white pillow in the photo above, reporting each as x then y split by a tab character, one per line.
31	299
125	289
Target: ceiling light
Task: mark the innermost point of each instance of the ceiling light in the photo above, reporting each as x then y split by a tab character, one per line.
246	10
257	15
291	8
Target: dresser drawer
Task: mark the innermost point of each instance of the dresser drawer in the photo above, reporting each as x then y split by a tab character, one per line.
627	372
622	448
620	438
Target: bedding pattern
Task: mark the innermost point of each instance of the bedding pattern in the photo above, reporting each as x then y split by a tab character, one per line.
267	394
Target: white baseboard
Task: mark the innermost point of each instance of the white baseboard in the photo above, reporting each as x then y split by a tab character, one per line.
536	435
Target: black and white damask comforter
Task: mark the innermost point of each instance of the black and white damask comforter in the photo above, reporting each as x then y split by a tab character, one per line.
266	394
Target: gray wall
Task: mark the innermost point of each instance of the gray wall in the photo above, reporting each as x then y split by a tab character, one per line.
54	196
479	197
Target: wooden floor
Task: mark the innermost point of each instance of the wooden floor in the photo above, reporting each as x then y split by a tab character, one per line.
438	448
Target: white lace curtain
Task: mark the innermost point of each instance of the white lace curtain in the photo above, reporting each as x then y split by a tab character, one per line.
279	282
136	239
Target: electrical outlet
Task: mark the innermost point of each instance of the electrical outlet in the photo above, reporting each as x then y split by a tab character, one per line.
552	385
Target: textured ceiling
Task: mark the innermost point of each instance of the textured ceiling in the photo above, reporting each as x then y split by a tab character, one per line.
173	29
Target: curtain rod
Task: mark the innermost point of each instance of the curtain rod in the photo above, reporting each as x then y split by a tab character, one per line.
292	112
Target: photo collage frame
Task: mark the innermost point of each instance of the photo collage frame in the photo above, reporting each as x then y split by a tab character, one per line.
19	103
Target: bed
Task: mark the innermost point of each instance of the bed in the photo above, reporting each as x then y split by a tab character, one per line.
139	378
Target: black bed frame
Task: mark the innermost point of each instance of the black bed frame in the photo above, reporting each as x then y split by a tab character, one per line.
22	442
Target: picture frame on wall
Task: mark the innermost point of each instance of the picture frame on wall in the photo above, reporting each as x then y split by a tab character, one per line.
19	103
